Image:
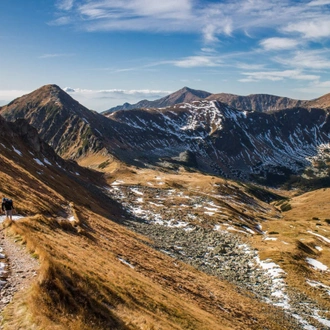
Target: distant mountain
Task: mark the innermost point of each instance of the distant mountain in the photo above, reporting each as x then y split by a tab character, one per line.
253	102
184	95
266	103
257	102
321	102
227	141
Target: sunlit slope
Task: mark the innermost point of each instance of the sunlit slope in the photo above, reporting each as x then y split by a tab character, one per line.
95	273
299	242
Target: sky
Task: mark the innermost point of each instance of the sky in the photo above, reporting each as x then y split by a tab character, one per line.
107	52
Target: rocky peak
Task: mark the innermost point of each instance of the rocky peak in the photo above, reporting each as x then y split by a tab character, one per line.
60	120
183	95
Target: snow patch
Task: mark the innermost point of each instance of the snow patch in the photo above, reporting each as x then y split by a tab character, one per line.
316	264
126	263
17	151
38	161
320	236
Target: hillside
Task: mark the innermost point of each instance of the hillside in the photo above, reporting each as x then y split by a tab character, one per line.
321	102
96	272
257	102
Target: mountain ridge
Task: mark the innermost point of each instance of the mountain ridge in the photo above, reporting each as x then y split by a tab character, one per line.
251	102
203	135
184	94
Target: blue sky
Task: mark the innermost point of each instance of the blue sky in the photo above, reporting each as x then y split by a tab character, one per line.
107	52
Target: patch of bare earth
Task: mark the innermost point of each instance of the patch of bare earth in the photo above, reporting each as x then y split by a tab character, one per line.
21	269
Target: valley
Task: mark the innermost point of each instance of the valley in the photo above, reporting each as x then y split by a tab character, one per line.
164	218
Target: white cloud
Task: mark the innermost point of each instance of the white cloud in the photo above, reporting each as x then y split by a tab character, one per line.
198	61
7	96
249	66
311	29
319	3
98	100
63	20
107	98
64	4
277	76
309	59
279	43
55	55
212	19
136	10
316	88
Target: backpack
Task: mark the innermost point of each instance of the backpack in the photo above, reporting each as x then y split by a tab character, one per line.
8	204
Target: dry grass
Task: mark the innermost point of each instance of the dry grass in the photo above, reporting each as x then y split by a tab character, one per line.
82	282
295	243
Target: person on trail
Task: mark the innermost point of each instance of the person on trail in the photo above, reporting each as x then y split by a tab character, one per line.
7	207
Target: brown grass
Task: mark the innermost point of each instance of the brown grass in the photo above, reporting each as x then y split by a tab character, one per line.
82	284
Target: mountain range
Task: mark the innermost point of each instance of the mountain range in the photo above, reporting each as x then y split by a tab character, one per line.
206	135
253	102
136	223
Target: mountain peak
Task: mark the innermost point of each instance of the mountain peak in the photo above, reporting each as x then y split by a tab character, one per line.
183	95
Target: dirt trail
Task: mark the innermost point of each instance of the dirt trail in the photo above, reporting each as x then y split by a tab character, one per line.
20	268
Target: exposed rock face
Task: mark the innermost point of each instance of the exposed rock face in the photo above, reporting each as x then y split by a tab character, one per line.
226	141
60	120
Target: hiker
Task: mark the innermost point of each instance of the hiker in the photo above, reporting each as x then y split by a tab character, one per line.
7	206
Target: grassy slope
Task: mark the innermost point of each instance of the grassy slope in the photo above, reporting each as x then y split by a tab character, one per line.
294	243
82	284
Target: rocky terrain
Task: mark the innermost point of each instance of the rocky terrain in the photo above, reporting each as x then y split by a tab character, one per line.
219	247
124	247
19	268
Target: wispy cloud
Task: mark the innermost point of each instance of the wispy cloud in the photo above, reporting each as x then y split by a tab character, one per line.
292	33
55	55
279	43
307	59
319	3
146	93
277	76
64	4
107	98
211	18
311	29
7	96
198	61
62	20
316	88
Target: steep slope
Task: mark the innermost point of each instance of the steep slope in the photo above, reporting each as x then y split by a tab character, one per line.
60	120
183	95
257	102
95	273
225	141
321	102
